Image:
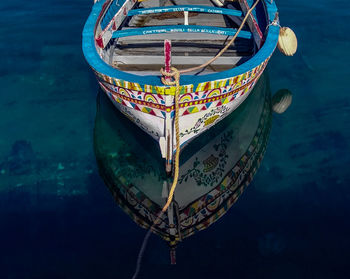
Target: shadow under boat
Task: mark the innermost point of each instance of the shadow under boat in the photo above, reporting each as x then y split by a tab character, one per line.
214	169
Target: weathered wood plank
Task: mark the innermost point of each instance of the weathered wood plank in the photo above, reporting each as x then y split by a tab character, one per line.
184	51
181	60
195	20
182	8
153	69
239	44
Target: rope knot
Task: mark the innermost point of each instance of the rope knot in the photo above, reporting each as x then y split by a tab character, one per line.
174	74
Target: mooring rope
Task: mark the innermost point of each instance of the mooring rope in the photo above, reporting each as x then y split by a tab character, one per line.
142	250
175	75
176	82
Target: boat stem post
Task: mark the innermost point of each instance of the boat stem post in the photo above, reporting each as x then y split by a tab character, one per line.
167	57
173	255
168	133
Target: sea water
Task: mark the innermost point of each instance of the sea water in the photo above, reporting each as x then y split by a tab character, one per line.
57	218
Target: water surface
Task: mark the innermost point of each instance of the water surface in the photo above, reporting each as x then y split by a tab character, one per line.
58	220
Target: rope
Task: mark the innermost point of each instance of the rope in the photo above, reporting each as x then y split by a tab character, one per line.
140	256
175	75
175	82
226	47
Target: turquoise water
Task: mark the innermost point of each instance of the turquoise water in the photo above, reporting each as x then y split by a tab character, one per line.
58	220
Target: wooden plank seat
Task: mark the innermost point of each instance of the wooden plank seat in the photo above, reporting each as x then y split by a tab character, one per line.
176	60
185	8
174	37
125	32
149	57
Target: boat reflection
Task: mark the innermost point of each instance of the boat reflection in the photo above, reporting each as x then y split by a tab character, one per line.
214	169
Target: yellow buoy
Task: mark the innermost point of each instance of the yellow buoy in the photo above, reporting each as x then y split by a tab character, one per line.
287	41
281	100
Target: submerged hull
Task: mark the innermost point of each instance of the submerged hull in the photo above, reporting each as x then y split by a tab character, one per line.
200	108
215	168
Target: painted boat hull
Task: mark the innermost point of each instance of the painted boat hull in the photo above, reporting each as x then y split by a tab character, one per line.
199	110
215	169
204	100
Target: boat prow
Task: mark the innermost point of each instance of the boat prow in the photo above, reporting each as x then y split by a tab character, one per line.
126	42
214	169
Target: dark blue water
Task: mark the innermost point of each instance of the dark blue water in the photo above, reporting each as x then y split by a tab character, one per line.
58	220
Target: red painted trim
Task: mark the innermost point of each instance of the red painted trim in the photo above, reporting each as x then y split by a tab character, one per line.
104	6
254	21
99	42
173	256
167	56
124	13
185	104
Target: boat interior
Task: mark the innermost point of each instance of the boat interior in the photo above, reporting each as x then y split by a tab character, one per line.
197	29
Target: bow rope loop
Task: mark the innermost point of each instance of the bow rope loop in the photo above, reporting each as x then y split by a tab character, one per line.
175	74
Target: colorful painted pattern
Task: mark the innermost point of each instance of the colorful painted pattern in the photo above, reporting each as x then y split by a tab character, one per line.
209	208
138	206
126	98
140	209
214	167
235	82
207	95
206	210
207	120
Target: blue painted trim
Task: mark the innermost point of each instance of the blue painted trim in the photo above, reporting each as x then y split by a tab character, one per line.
99	65
261	17
110	13
180	29
183	8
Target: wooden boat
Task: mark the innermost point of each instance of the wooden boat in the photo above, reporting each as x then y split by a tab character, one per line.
214	169
123	42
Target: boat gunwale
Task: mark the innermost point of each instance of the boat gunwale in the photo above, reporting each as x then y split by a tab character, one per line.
100	66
